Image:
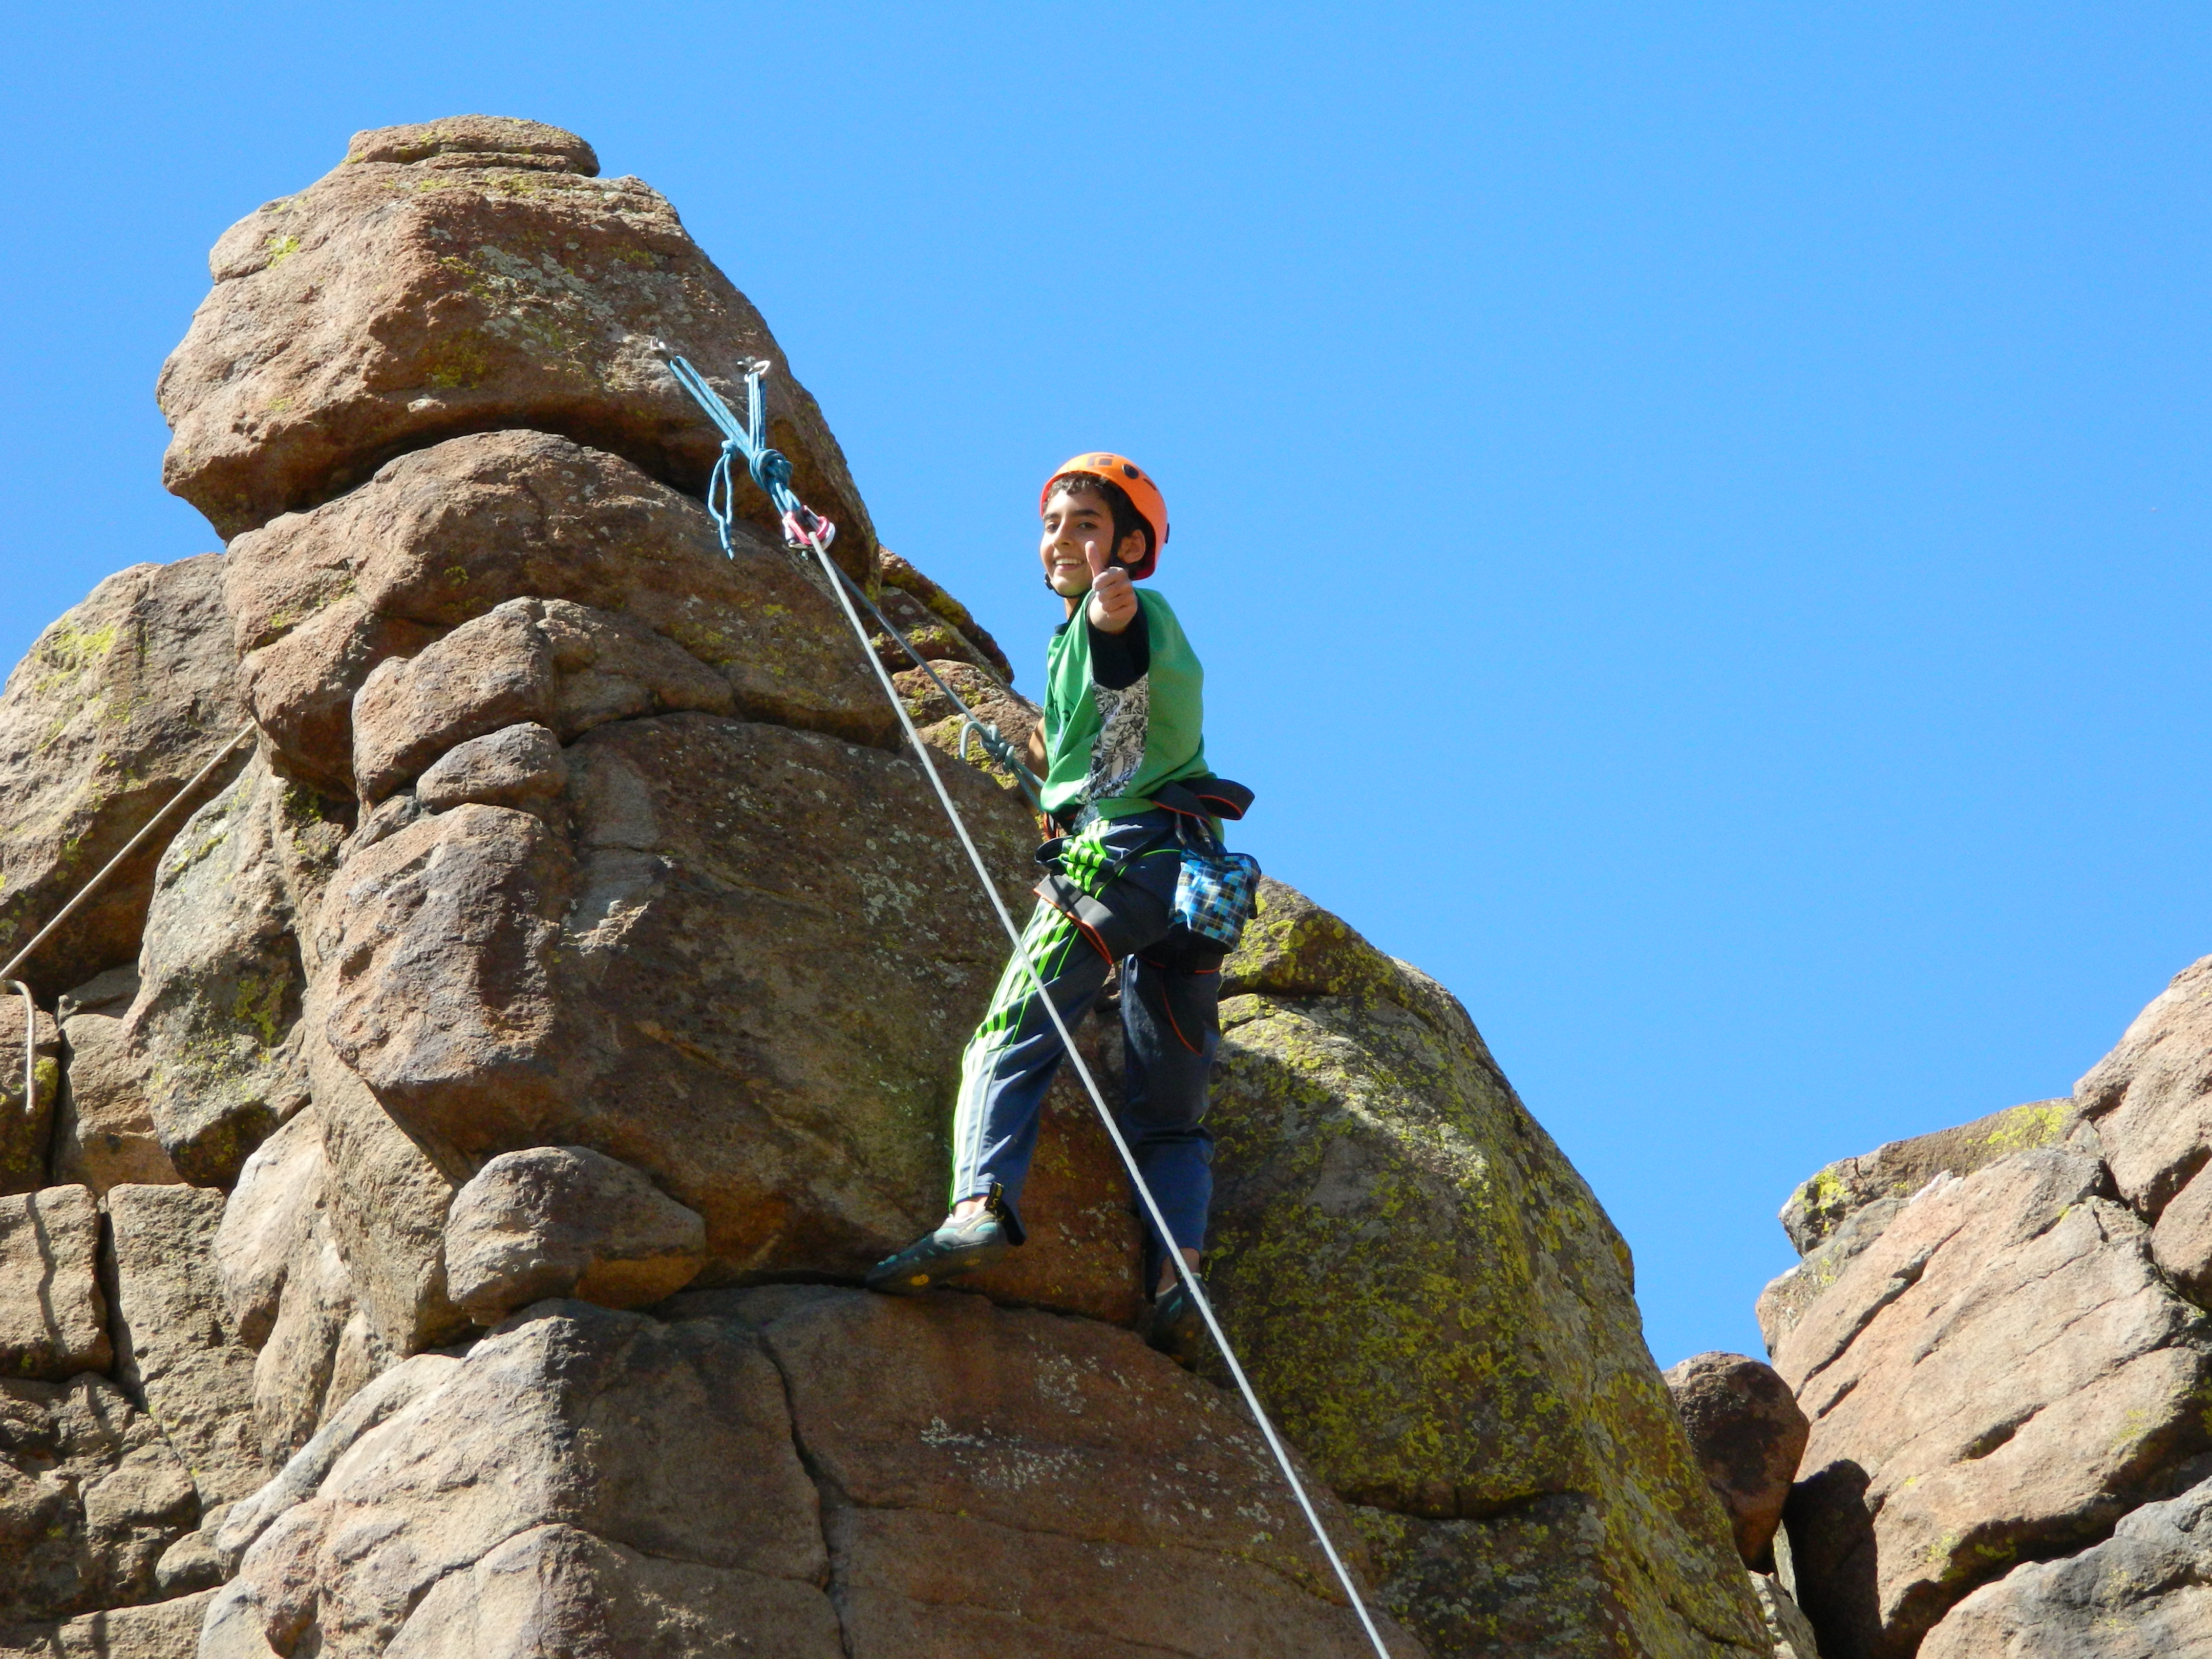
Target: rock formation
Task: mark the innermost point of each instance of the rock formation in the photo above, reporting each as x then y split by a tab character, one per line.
471	1124
30	1089
1999	1335
1749	1434
53	1318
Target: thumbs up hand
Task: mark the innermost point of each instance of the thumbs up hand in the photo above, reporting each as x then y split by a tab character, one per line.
1113	604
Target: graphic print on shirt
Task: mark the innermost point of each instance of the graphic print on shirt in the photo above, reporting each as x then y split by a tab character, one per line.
1117	753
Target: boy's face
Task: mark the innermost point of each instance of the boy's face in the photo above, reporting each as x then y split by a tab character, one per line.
1079	541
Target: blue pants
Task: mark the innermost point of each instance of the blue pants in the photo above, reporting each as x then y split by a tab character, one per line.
1171	1021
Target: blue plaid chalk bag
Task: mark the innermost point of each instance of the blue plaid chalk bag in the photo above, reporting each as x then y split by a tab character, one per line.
1215	894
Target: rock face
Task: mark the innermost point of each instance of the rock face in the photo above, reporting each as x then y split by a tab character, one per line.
518	766
945	728
1787	1626
918	606
104	1132
2151	1097
1443	1318
287	1291
90	1496
177	1355
414	295
2005	1366
2151	1100
1749	1436
440	537
498	1091
1783	1303
506	1482
1819	1208
1072	1464
116	705
2144	1592
559	1221
1843	1209
159	1629
2002	1374
1009	1436
686	982
27	1095
546	662
214	1030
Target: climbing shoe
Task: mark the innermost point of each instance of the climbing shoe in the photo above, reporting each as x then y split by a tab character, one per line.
955	1248
1178	1330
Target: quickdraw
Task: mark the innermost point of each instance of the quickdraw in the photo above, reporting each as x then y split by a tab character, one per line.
802	525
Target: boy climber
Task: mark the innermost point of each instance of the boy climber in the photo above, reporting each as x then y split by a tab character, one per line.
1122	758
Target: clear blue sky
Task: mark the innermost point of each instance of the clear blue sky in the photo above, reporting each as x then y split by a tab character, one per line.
1696	521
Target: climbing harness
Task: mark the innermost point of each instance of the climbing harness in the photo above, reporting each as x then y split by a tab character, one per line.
30	1003
772	472
803	530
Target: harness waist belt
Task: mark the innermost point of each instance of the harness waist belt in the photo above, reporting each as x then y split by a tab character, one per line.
1194	798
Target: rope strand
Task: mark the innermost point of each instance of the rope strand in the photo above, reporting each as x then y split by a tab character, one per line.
30	1045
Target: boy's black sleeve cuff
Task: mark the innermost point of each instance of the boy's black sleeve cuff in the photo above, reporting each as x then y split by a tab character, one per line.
1119	661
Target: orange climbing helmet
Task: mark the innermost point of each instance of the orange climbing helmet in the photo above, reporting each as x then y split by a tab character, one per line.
1135	482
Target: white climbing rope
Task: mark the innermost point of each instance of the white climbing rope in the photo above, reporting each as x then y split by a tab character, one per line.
820	546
